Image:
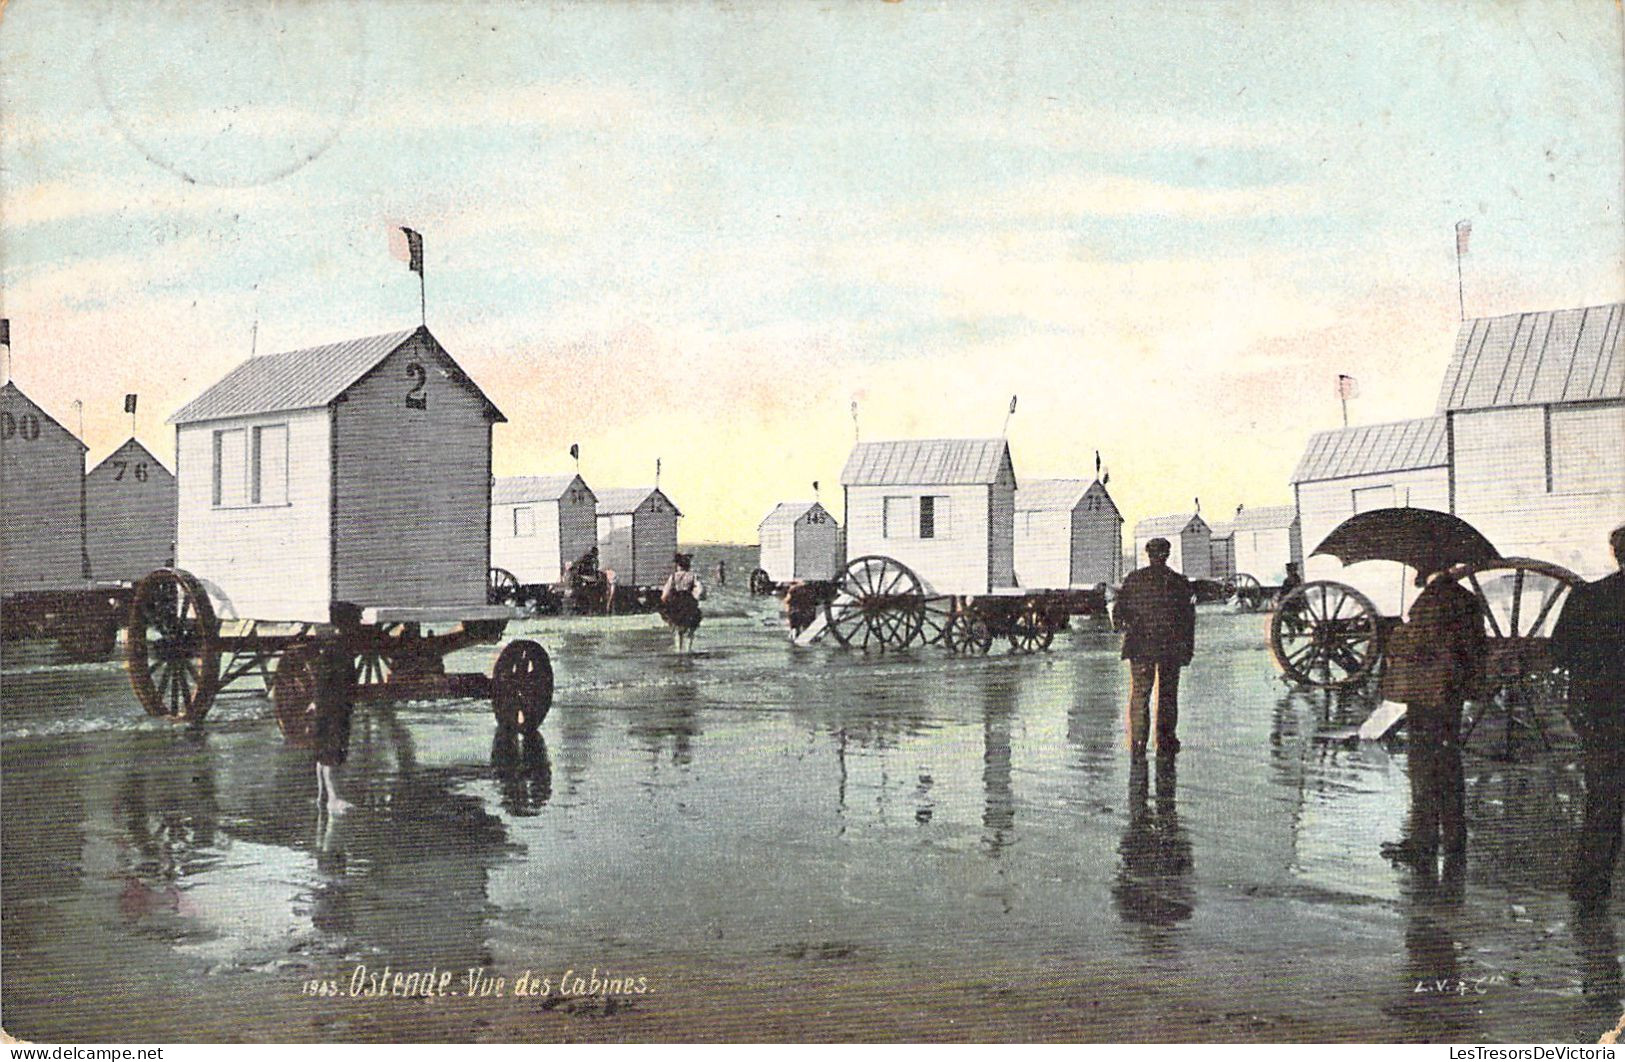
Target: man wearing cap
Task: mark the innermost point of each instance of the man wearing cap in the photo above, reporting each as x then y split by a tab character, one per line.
1156	612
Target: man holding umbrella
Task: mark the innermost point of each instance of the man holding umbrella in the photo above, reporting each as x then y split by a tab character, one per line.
1431	664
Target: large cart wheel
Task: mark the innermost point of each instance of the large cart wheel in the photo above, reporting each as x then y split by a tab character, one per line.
1325	634
522	687
173	648
1247	591
878	603
293	694
501	587
1030	630
760	583
1520	600
967	634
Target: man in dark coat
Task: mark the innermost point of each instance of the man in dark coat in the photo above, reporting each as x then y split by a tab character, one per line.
1156	612
1444	651
1589	640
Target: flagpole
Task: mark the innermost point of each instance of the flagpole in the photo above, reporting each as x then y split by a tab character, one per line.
1464	229
1344	399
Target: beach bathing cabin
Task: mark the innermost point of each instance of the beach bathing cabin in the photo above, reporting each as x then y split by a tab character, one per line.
541	524
1264	539
129	515
637	534
1376	466
798	540
42	475
358	472
1069	532
1533	406
1188	537
944	507
1221	552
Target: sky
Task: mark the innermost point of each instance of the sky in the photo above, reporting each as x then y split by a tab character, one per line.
699	232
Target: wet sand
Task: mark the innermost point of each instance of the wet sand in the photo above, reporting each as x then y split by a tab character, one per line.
782	843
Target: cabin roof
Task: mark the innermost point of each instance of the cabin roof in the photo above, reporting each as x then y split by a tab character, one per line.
510	490
1153	526
11	387
1222	528
131	443
786	513
304	379
1525	359
1051	495
1399	446
1265	517
926	462
618	501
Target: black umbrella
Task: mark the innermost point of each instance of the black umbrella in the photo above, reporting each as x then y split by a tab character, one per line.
1424	539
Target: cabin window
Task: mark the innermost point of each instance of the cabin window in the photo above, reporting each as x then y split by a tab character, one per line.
268	466
1583	448
1368	498
230	467
898	518
934	516
524	522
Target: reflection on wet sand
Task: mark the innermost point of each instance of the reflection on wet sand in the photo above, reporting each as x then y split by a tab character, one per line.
801	815
1153	887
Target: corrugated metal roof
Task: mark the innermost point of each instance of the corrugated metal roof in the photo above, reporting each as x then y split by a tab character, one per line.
1050	495
512	489
785	514
303	379
1530	359
1152	526
1265	518
618	501
925	462
297	379
1372	448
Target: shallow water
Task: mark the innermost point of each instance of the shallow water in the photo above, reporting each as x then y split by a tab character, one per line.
801	817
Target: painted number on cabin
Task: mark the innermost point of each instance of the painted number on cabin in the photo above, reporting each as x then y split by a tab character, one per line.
25	427
415	398
139	473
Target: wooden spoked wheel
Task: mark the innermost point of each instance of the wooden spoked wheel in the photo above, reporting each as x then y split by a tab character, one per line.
1521	600
373	667
293	694
173	648
936	614
501	587
1247	591
522	687
1030	630
967	634
878	604
760	583
1325	634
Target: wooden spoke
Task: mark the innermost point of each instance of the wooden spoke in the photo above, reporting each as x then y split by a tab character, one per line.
1324	634
172	650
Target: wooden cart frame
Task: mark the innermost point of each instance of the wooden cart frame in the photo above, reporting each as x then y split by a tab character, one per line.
180	656
880	604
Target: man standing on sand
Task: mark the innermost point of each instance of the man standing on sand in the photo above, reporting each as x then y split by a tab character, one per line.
1589	640
1156	612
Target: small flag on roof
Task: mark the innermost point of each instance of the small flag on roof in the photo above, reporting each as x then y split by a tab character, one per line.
1347	386
1464	235
129	403
414	250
